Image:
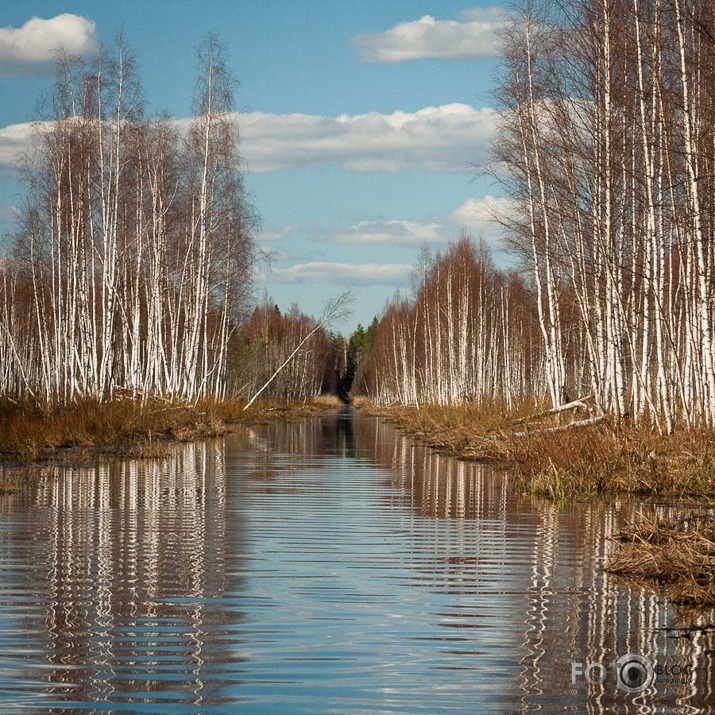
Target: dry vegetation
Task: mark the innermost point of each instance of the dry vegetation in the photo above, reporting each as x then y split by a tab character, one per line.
676	556
466	431
616	459
554	460
126	427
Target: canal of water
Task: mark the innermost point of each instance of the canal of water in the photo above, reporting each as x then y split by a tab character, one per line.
330	565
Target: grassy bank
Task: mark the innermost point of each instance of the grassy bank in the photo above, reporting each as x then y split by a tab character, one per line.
466	431
126	427
555	460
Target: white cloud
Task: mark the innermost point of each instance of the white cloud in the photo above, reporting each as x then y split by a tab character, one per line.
344	274
393	232
444	138
428	37
15	140
271	235
30	48
480	217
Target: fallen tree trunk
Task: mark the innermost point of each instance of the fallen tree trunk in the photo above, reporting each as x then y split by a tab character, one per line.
335	310
571	425
287	360
574	404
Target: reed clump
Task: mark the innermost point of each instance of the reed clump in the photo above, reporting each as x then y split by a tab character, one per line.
675	556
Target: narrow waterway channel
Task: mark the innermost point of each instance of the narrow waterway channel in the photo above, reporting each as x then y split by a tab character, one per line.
325	566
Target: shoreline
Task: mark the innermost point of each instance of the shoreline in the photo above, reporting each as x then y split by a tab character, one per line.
675	558
564	458
601	461
125	428
550	458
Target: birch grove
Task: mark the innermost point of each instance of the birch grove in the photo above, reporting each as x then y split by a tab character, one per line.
606	150
294	341
470	333
606	147
131	266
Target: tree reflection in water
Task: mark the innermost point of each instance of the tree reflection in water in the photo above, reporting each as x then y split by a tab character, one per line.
305	567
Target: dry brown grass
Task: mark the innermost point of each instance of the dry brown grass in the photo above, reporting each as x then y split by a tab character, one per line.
126	427
561	463
616	459
468	431
677	557
326	401
362	403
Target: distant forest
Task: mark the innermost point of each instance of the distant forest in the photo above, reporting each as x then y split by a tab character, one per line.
131	267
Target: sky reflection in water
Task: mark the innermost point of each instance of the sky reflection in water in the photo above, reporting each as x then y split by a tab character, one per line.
324	566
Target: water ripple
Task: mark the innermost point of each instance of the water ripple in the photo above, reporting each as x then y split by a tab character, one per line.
329	566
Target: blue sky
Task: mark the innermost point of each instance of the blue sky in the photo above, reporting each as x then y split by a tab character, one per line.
360	122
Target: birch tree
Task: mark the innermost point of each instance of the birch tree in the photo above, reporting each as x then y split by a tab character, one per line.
136	240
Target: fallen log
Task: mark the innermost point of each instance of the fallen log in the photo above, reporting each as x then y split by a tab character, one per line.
571	425
335	310
574	404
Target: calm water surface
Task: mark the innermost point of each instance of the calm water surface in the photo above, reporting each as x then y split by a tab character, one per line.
328	566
